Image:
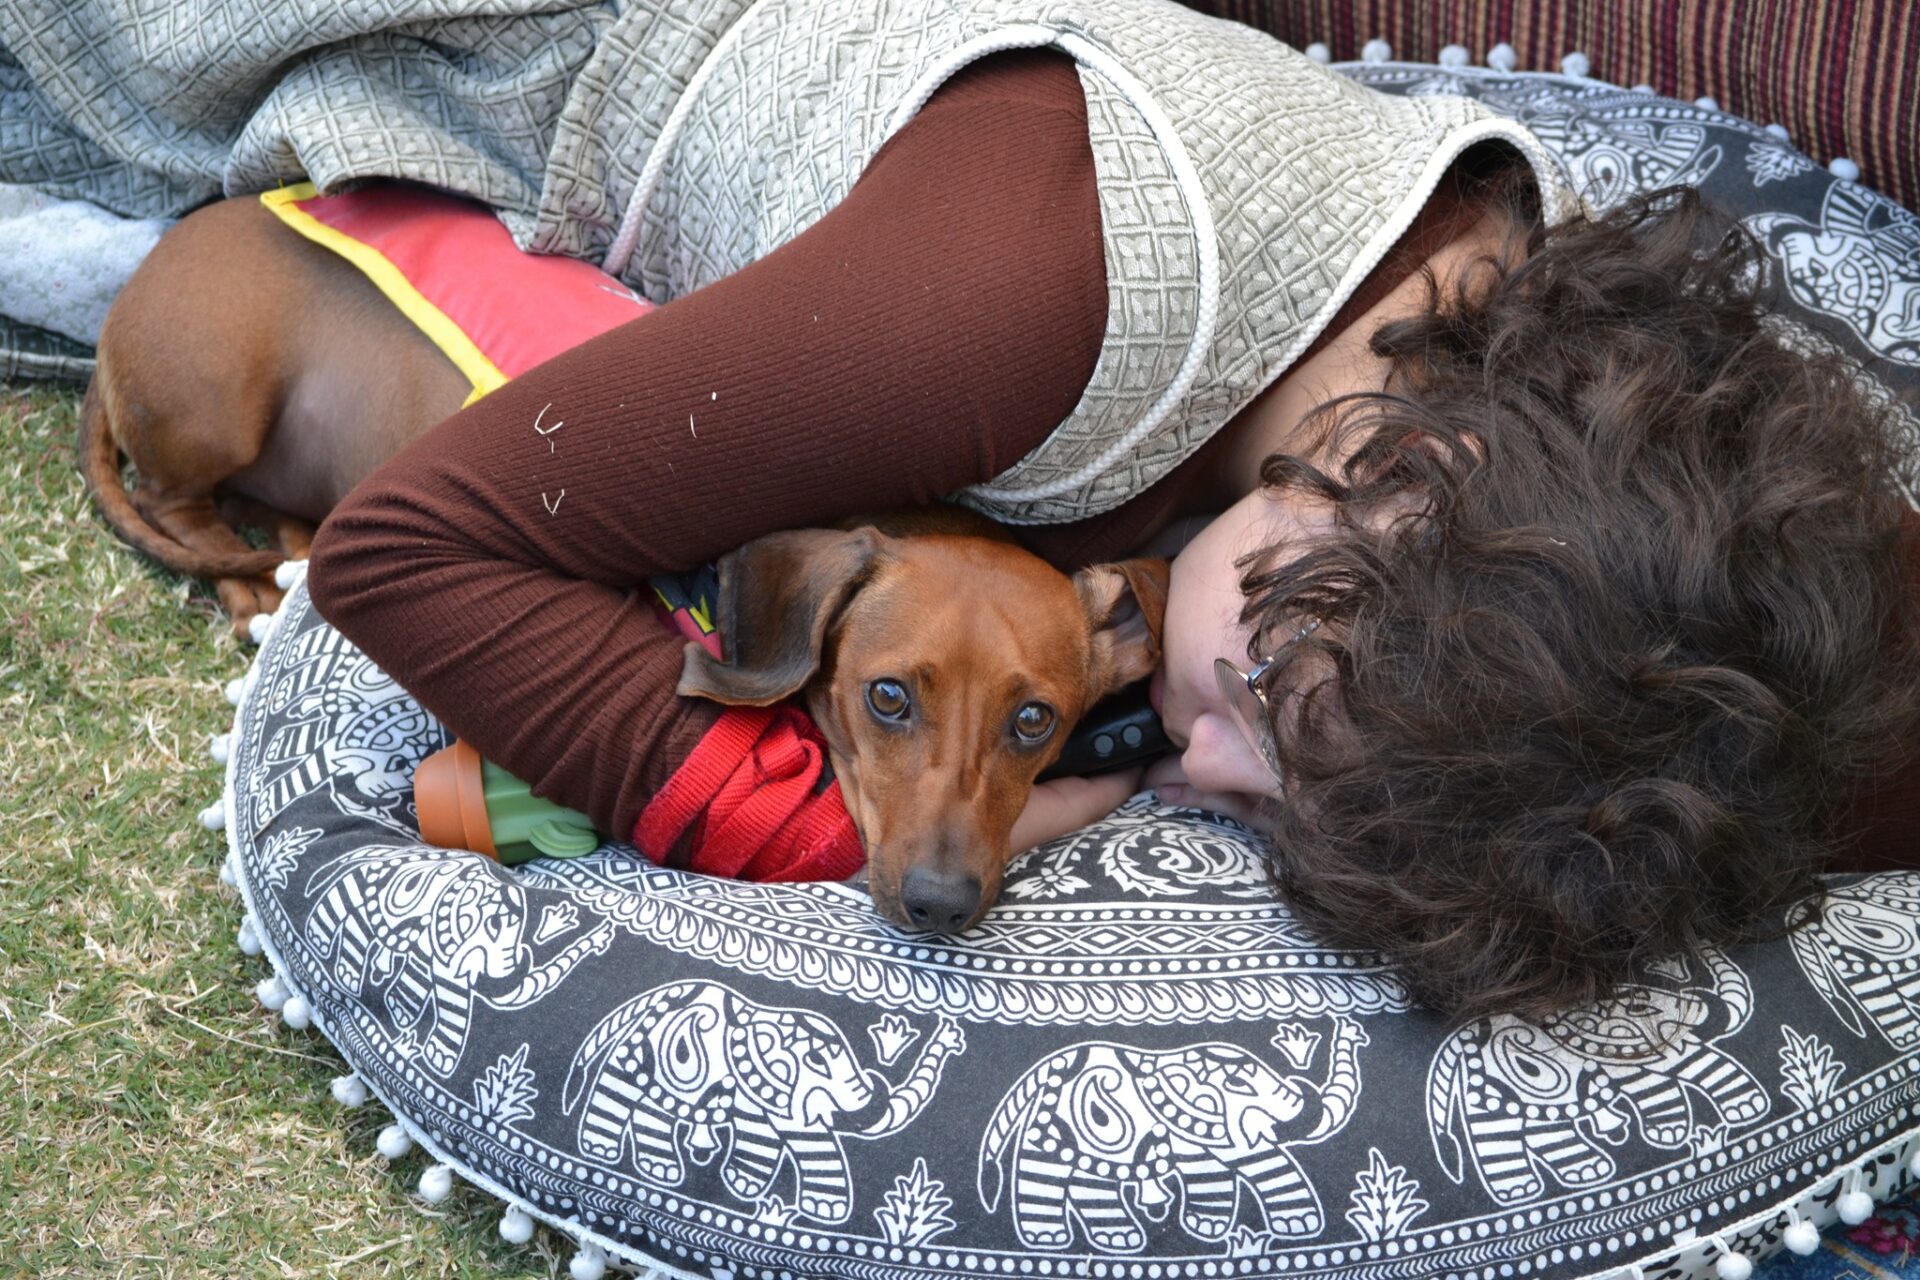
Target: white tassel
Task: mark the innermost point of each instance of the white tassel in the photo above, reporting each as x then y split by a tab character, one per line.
1319	53
219	746
1376	50
349	1090
236	689
436	1184
1733	1265
393	1142
1502	57
1455	55
226	873
1844	169
272	993
588	1264
214	817
297	1013
1779	131
516	1225
260	626
1706	103
1801	1236
1574	64
249	938
1856	1206
1643	88
289	574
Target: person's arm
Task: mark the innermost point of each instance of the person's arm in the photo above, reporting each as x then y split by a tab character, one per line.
923	336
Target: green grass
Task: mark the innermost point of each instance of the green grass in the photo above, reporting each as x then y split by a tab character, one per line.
157	1120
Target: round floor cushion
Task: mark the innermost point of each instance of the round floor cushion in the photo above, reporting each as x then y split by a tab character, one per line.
1138	1066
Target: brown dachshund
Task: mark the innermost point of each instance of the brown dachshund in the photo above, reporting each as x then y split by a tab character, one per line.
944	664
253	377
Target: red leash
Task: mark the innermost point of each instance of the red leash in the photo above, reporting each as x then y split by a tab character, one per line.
751	785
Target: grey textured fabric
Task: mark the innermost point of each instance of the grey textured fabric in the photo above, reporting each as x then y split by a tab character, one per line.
680	143
149	107
28	352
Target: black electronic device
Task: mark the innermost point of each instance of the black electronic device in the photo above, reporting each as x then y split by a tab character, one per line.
1121	729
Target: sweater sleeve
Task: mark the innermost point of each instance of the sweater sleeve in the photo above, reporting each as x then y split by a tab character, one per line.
925	334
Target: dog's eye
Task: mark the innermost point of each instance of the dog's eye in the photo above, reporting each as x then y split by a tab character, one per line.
888	698
1033	722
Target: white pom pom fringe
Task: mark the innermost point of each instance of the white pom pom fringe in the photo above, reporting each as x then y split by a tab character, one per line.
260	626
1801	1236
588	1264
1844	169
393	1142
214	817
349	1090
436	1184
1376	50
1455	55
226	873
1855	1208
1779	131
297	1013
249	939
1706	104
236	689
219	746
289	574
1913	1163
272	993
516	1225
1574	64
1319	52
1733	1265
1502	57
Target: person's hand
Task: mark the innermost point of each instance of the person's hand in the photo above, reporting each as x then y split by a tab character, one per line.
1167	778
1060	805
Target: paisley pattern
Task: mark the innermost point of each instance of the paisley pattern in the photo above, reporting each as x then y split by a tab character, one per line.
1138	1066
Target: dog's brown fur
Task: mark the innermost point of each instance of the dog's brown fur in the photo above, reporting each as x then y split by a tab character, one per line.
253	376
975	628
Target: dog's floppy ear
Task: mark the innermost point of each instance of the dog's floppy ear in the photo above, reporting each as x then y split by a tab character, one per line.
1125	604
778	595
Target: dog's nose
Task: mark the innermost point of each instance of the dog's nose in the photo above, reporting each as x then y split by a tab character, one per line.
937	900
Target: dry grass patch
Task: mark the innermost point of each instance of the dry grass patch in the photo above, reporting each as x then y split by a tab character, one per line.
158	1121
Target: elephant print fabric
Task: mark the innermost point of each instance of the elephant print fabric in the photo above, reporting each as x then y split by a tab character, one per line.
1138	1066
1864	960
1542	1099
1194	1125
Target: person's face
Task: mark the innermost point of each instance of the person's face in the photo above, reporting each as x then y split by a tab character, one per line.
1216	761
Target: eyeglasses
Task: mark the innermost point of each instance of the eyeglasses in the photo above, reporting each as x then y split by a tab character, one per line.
1244	694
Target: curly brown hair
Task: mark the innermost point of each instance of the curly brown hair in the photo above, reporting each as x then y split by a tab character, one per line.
1598	694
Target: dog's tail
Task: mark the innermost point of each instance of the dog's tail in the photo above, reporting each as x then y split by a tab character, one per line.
98	458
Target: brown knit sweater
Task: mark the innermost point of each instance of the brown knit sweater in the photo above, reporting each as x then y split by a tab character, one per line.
923	336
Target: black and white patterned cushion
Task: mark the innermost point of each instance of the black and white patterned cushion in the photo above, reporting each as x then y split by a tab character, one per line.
1139	1066
1139	1056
